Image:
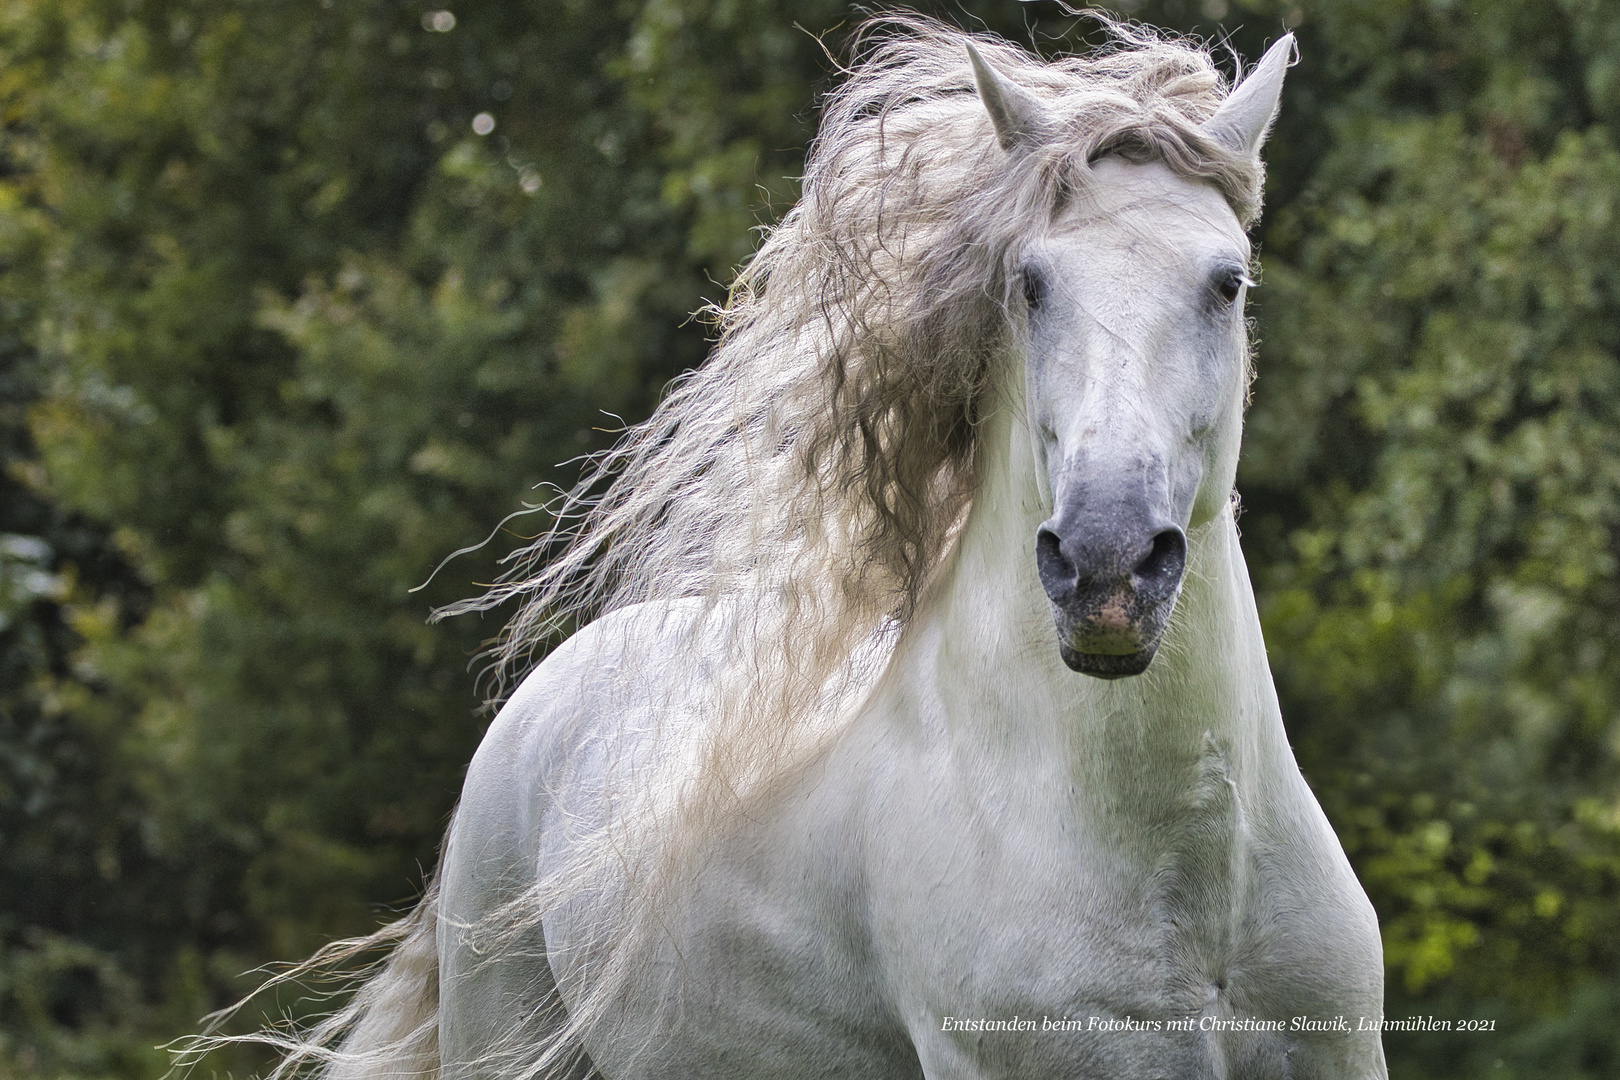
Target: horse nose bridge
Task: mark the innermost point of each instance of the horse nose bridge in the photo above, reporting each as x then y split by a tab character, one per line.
1109	413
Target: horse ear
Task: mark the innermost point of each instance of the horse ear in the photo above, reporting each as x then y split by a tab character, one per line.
1018	115
1245	116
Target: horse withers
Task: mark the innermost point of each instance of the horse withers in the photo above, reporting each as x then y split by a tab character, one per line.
920	723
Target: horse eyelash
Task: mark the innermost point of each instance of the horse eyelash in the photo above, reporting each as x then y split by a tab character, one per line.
1237	281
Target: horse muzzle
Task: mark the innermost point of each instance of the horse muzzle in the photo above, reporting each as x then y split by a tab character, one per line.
1113	579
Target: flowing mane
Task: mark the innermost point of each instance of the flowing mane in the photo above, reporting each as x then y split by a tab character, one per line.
823	453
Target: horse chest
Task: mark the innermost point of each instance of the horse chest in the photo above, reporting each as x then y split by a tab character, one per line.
1023	943
1057	902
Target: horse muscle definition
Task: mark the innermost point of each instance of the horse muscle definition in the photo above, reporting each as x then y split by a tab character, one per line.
918	722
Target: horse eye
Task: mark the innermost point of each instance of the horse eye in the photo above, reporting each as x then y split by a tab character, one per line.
1034	289
1228	285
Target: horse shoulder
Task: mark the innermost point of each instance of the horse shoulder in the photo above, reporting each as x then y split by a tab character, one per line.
556	727
548	740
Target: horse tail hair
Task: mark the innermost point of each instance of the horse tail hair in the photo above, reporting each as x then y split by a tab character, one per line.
388	1030
391	1026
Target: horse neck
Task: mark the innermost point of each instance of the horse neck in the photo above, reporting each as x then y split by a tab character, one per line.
986	641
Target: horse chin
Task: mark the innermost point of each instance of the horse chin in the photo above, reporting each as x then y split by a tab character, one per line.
1111	649
1107	665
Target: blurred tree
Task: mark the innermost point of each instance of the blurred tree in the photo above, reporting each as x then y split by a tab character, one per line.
297	299
68	814
291	332
1431	472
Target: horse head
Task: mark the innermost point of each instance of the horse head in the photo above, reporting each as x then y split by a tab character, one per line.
1136	361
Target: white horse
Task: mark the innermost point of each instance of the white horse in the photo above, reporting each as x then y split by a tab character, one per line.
820	791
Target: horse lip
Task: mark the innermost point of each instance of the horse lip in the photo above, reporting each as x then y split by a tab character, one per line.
1126	641
1111	633
1114	620
1107	665
1115	617
1110	645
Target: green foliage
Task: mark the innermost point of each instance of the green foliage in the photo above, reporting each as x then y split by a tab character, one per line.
279	329
1431	470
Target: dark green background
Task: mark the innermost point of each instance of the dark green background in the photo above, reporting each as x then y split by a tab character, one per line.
278	331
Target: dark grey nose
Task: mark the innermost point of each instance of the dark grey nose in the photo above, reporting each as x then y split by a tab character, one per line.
1151	565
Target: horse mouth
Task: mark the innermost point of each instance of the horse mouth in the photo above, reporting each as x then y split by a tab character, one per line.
1111	634
1111	597
1107	665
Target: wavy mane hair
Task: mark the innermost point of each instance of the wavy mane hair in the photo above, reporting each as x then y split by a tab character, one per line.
806	482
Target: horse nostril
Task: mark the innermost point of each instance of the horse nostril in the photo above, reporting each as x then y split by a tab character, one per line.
1058	575
1161	569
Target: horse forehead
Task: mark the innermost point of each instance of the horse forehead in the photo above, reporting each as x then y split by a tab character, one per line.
1149	216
